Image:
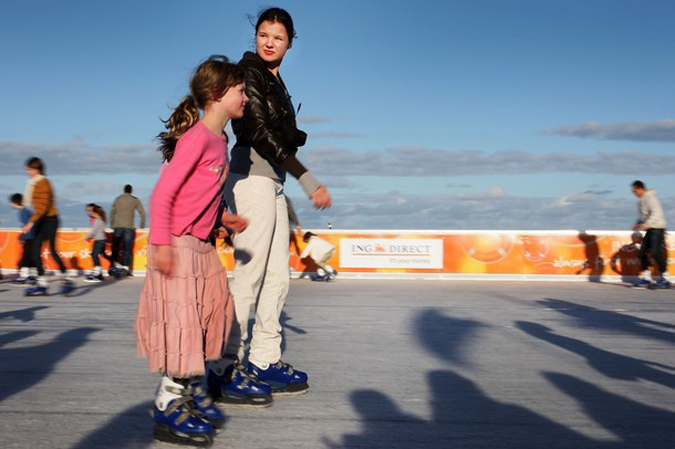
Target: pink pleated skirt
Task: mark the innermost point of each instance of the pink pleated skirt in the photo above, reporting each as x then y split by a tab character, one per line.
185	319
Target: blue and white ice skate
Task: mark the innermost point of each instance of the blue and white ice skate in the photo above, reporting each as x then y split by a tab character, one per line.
36	290
282	377
237	387
92	277
181	423
642	283
67	286
22	281
205	405
661	284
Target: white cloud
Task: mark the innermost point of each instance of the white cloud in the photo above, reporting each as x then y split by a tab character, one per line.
419	161
493	209
658	131
313	119
79	157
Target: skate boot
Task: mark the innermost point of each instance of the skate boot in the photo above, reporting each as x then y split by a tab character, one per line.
20	281
205	405
36	290
177	419
642	283
237	387
67	286
91	277
661	284
284	380
317	277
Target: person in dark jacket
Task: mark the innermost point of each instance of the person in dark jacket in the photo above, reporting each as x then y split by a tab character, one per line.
267	142
124	231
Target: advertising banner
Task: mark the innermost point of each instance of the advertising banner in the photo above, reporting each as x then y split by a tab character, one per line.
590	255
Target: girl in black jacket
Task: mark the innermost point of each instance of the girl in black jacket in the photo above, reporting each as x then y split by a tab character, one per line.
267	142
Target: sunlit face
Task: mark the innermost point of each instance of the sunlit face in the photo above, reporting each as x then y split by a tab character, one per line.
32	171
90	211
272	42
234	101
638	191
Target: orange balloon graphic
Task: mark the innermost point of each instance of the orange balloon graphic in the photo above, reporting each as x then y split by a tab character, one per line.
487	248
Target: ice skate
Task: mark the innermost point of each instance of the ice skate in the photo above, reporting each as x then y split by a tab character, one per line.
661	284
642	283
67	286
177	419
237	387
284	380
205	405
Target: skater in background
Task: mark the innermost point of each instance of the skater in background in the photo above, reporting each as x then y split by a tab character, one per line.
652	220
320	251
122	221
267	142
97	234
185	308
44	223
27	264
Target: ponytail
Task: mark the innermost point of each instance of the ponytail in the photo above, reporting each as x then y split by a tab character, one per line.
209	83
183	118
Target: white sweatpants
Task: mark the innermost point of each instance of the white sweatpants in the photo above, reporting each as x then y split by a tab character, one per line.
261	265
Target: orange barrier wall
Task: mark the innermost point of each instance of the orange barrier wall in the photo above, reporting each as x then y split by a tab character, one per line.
501	254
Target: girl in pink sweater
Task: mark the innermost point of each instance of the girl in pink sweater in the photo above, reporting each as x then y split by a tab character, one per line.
185	309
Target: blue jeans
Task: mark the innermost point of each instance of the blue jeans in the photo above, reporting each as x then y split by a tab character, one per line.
126	237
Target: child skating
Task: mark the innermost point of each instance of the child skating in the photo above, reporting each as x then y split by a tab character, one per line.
44	223
185	308
320	251
27	263
97	234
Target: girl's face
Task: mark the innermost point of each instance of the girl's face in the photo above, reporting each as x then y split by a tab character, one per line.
32	172
90	211
234	101
272	42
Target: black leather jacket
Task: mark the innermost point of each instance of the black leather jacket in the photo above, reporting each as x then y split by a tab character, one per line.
268	124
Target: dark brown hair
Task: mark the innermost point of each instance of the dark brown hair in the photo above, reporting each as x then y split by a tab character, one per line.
210	81
37	164
277	15
98	210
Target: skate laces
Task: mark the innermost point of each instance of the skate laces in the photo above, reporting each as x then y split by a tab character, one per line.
281	365
185	403
199	392
248	377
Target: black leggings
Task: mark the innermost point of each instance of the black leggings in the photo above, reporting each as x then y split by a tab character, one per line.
99	250
45	229
654	243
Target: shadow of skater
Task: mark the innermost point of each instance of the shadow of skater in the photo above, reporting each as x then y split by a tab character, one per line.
11	337
615	366
594	262
385	425
445	337
625	261
130	429
462	417
24	315
283	320
587	316
85	289
634	423
26	367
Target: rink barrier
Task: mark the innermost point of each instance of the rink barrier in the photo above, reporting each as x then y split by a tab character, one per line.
595	255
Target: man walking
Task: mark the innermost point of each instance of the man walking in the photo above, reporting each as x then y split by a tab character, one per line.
124	231
652	220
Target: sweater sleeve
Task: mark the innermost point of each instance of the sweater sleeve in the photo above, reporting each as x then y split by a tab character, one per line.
42	199
141	212
185	159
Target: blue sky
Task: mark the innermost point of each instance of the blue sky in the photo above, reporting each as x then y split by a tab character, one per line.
420	115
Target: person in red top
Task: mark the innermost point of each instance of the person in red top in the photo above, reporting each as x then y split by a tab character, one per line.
185	308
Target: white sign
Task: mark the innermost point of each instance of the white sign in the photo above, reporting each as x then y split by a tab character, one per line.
391	253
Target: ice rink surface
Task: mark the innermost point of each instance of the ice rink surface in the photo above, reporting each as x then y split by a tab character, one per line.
392	364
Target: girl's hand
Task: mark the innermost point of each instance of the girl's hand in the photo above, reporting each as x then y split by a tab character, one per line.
220	233
236	223
321	198
26	229
164	259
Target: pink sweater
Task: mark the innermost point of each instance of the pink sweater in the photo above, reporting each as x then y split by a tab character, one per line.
187	197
